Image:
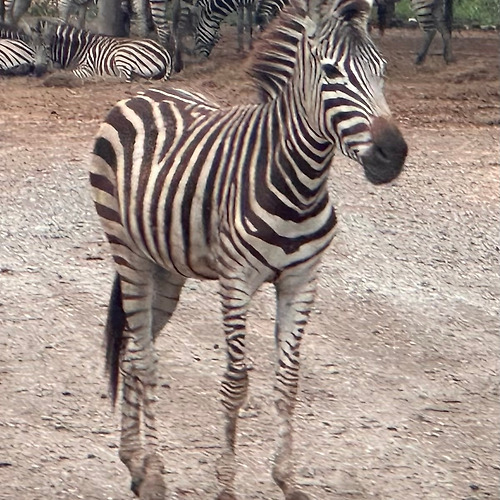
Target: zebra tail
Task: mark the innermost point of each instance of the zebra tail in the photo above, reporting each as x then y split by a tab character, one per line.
448	14
115	326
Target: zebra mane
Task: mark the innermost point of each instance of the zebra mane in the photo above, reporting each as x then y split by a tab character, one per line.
275	57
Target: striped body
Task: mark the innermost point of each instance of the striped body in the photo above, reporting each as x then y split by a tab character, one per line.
185	188
100	55
16	57
433	16
210	14
193	247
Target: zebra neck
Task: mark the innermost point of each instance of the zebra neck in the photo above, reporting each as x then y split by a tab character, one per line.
301	150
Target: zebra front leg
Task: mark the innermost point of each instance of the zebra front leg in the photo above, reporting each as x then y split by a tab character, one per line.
295	296
234	387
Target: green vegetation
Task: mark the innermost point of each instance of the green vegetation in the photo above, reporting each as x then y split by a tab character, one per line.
465	12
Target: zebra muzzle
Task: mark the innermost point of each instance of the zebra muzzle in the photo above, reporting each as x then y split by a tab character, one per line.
384	160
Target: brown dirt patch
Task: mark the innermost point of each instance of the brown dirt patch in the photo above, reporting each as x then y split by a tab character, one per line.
400	367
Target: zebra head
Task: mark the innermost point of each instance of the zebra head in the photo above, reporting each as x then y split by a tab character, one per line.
348	72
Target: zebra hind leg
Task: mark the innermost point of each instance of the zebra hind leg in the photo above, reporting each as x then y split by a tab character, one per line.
429	36
295	296
137	363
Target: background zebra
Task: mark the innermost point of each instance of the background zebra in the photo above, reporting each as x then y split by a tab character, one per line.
100	55
209	15
432	16
185	188
267	10
17	54
16	57
68	7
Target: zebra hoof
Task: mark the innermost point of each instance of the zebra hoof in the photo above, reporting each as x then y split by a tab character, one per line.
297	495
225	495
153	486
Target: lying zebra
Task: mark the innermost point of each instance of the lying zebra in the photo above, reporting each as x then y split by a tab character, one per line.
89	54
17	54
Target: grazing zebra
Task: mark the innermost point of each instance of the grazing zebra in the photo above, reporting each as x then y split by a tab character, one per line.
210	14
186	188
432	16
100	55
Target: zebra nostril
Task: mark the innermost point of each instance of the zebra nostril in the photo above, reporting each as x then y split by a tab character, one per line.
385	159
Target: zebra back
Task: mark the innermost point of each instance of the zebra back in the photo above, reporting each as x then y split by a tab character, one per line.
209	14
13	33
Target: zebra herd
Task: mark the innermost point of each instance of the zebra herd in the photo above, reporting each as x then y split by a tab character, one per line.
58	43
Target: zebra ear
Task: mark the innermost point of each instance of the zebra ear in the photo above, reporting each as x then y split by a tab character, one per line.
352	10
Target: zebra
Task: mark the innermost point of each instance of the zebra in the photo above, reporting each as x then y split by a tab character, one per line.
14	10
16	57
432	16
100	55
209	15
66	7
267	10
13	33
185	188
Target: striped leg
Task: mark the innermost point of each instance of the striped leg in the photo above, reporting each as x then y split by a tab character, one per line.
295	296
150	296
446	35
429	36
234	388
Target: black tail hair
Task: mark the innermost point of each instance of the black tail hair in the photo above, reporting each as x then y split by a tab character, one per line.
448	14
115	327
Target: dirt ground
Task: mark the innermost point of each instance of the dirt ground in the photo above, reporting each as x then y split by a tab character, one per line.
400	384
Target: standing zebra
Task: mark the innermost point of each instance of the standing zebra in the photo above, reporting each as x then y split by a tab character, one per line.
100	55
432	16
67	7
209	15
186	188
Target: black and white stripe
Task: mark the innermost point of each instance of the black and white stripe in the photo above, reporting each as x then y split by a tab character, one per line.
210	14
99	55
433	16
185	188
16	57
267	10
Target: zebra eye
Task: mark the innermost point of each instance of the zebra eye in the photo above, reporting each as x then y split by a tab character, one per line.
331	71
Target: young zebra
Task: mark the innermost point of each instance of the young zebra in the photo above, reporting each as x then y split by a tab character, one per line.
100	55
185	188
432	16
209	15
